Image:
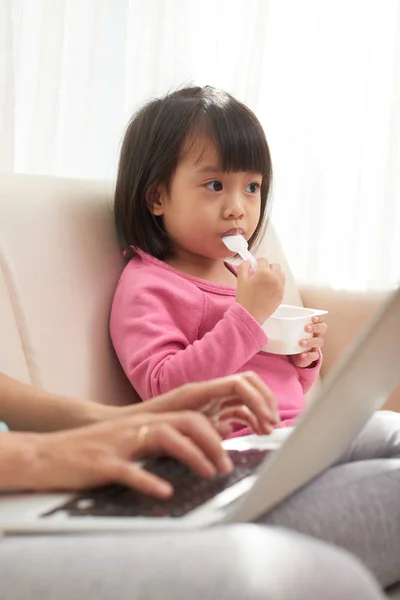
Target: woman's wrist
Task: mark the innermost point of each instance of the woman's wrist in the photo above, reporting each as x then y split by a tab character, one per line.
80	413
106	412
87	412
27	408
18	455
63	413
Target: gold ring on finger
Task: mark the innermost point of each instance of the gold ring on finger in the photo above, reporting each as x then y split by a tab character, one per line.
142	435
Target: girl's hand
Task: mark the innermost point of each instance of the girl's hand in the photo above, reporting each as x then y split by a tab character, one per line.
313	345
261	293
241	398
103	454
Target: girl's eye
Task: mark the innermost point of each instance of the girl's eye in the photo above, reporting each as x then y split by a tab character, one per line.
253	187
214	186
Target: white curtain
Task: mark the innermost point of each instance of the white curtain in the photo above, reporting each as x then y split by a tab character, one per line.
322	75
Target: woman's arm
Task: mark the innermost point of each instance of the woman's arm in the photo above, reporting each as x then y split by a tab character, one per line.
241	397
102	453
24	407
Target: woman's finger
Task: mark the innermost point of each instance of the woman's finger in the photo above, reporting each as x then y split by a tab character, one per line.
196	396
192	439
265	392
201	437
228	402
235	411
224	428
201	431
247	387
253	392
214	406
134	476
241	414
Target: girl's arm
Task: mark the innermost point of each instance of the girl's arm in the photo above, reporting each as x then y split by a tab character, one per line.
308	363
155	328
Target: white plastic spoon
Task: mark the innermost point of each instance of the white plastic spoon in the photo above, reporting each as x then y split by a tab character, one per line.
238	244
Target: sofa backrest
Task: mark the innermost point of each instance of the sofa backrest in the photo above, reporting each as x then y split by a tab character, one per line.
59	265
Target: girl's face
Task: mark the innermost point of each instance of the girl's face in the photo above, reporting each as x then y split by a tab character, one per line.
205	203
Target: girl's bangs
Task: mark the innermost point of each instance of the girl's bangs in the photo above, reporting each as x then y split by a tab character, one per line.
238	138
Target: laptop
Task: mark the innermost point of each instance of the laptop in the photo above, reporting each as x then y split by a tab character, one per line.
268	469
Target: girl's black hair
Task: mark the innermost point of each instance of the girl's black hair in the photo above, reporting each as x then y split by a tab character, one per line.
152	147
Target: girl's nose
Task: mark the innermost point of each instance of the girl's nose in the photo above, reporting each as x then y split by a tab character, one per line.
234	209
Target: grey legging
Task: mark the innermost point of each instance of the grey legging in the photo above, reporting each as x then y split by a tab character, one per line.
355	504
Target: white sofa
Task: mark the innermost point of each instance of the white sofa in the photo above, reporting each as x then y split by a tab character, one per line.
59	264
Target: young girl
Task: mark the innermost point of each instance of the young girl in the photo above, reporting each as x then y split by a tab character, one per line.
195	166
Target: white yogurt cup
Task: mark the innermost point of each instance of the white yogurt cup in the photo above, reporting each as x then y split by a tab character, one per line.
285	328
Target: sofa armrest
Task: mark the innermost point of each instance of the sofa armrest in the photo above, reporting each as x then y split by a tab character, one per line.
348	312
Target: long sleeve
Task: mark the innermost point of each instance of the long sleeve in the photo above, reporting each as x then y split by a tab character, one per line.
307	376
155	328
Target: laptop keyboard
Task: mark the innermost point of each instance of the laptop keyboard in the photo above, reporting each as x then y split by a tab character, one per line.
191	490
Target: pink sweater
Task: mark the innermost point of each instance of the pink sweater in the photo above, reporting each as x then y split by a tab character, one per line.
169	328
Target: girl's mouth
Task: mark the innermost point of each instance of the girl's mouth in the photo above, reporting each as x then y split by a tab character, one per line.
233	231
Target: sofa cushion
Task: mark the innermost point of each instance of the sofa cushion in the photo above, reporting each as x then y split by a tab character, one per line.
59	264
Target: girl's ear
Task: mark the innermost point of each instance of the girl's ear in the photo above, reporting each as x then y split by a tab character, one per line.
155	199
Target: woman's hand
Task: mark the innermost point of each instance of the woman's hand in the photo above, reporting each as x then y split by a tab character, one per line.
243	398
103	453
313	345
184	423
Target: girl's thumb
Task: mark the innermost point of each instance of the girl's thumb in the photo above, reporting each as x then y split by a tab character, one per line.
243	271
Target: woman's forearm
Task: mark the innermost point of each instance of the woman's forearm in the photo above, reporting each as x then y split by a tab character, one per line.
24	407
